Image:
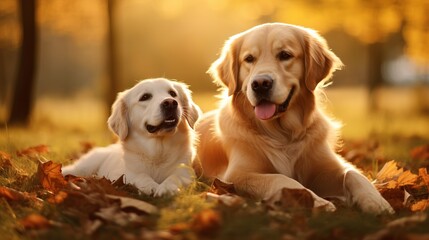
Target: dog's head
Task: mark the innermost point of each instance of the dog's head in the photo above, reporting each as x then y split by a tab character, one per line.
272	64
154	107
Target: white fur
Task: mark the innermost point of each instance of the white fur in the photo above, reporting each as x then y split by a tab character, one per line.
156	163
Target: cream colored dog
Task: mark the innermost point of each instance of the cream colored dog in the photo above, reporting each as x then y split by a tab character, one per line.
154	121
270	133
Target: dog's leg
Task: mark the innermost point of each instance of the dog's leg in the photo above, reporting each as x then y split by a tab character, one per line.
265	186
142	181
360	191
88	164
181	177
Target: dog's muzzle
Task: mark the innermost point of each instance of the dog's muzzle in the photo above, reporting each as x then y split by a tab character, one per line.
266	109
169	109
262	85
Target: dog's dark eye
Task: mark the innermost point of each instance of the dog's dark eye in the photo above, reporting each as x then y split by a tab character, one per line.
284	56
249	59
145	97
172	93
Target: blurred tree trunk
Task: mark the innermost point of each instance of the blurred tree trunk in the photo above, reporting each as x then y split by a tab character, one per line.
113	85
3	84
22	100
375	76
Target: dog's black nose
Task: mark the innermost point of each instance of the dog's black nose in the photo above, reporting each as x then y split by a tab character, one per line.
169	104
262	84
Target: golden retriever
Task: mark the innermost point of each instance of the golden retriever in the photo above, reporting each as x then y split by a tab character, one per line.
154	121
269	133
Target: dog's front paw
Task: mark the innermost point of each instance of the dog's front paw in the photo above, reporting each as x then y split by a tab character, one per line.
166	188
148	188
360	191
374	203
323	204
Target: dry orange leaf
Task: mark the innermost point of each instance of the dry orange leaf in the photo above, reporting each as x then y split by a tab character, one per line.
423	173
35	221
389	171
58	198
391	176
50	176
420	205
287	199
12	194
35	150
220	187
407	178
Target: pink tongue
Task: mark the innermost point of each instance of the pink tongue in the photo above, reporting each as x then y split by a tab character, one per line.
265	111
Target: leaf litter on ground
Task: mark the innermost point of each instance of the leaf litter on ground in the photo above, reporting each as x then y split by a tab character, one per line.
98	204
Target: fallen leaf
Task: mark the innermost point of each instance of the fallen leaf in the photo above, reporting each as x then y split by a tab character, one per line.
142	206
58	198
119	182
289	199
423	173
115	215
12	194
220	187
420	205
32	151
206	222
407	178
391	176
35	221
389	171
50	176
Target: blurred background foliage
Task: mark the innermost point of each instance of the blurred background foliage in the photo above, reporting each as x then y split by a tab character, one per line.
88	50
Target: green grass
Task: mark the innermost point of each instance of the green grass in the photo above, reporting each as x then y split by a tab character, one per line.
82	120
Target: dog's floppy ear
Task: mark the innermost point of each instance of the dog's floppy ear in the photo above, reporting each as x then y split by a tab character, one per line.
117	121
191	111
320	62
225	69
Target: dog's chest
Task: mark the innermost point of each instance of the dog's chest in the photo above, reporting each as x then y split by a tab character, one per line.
284	159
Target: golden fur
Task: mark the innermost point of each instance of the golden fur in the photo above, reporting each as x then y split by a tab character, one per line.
292	147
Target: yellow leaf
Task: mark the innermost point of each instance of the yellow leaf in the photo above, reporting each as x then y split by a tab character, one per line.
392	184
423	173
31	151
389	171
407	178
420	205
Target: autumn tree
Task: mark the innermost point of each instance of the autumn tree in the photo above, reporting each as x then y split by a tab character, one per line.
371	22
25	81
112	58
